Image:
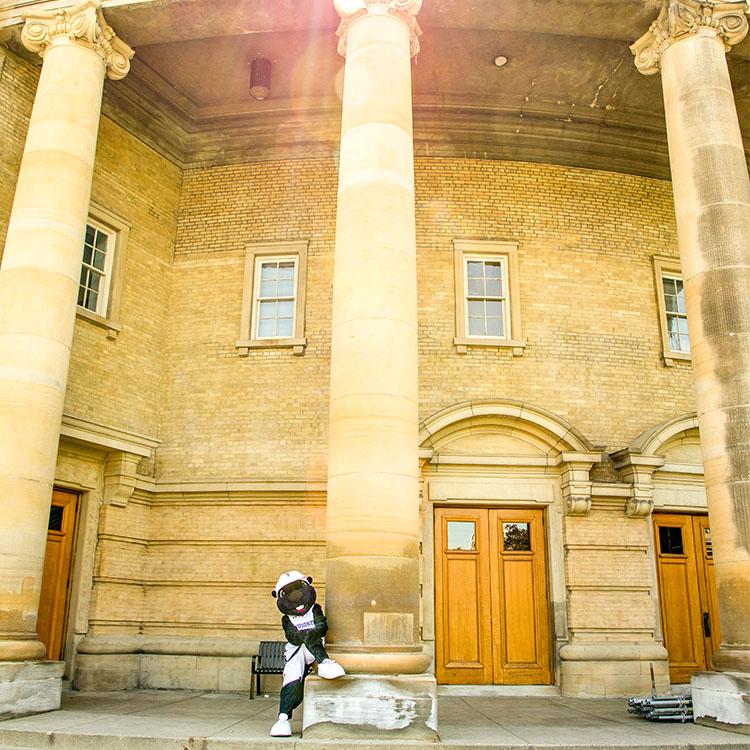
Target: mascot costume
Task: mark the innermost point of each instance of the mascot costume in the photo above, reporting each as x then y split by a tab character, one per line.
305	626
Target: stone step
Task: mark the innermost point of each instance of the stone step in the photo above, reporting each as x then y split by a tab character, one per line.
29	740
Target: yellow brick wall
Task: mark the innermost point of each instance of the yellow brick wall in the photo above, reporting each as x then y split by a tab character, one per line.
17	85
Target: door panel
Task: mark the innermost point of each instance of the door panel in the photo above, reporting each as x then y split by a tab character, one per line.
55	579
519	598
686	591
491	610
464	653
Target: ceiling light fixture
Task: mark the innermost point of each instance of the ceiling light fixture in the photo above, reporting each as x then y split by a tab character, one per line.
260	78
501	60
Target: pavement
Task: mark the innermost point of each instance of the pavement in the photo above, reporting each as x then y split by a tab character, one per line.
186	720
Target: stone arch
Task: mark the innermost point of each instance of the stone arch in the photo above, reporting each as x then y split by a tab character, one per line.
531	429
676	439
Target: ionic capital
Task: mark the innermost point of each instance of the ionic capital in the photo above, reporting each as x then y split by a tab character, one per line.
351	10
680	18
83	24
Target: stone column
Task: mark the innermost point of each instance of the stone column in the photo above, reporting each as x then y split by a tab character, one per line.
688	41
373	521
38	289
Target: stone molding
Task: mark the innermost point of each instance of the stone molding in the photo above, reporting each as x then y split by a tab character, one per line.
638	471
576	483
83	24
352	10
680	18
120	475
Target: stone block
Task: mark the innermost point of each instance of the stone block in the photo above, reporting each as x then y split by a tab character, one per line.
393	707
722	700
107	672
29	687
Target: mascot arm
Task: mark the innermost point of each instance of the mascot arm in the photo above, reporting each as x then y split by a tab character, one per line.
294	636
315	636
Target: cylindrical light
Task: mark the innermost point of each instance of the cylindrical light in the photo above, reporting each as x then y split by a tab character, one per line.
260	78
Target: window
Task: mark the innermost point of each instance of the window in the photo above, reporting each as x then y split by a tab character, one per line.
670	295
487	295
100	281
273	305
96	269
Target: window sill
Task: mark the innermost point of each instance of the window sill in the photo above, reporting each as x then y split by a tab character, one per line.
517	345
296	345
109	326
670	357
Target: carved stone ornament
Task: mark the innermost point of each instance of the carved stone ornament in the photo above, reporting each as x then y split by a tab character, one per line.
578	505
679	18
351	10
83	23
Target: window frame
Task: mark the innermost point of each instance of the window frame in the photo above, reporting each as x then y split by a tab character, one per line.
507	253
669	267
108	316
255	255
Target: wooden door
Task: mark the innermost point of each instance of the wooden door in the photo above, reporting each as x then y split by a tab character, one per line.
491	612
53	603
462	597
687	593
520	615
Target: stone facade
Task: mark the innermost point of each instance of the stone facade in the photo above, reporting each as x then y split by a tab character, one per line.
202	468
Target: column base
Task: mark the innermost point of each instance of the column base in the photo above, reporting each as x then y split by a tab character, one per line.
29	687
609	670
722	700
371	706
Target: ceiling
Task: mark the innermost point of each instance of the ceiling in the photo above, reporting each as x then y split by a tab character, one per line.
568	94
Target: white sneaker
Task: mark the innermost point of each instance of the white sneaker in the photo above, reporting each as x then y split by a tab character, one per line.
329	669
282	728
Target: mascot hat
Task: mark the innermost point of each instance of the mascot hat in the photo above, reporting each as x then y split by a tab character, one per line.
289	577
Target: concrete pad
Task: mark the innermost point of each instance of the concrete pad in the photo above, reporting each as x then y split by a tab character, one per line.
392	707
722	699
178	720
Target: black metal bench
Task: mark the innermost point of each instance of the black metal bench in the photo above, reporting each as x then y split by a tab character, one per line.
269	660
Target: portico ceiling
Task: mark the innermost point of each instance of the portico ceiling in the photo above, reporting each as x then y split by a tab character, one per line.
569	93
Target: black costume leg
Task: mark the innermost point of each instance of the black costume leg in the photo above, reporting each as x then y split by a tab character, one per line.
298	658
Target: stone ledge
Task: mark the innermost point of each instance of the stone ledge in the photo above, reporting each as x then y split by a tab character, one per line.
30	687
385	707
722	700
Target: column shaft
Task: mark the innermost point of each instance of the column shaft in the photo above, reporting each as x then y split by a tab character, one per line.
38	289
712	204
372	586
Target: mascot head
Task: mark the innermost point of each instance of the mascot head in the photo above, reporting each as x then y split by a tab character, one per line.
294	593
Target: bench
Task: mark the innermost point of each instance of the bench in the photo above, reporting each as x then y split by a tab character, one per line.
269	660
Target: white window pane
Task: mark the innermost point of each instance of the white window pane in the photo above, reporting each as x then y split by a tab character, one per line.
267	310
90	232
268	288
494	288
681	300
670	302
101	242
92	300
81	295
669	287
494	327
266	328
94	281
476	287
493	269
99	260
493	309
475	269
672	324
476	327
682	325
674	342
476	309
285	309
87	252
286	288
286	270
268	272
284	327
